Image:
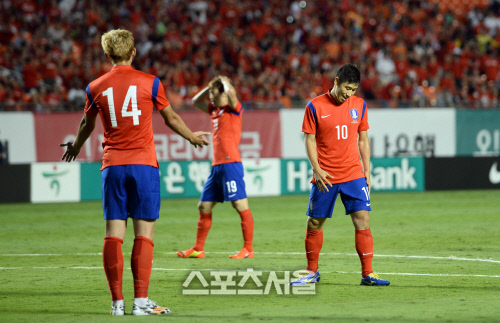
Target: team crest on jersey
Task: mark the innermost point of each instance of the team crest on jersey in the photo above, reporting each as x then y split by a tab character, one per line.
354	115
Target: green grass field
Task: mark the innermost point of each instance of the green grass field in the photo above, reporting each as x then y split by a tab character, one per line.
440	250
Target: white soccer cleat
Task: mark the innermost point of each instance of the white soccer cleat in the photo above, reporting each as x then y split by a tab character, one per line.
150	309
117	308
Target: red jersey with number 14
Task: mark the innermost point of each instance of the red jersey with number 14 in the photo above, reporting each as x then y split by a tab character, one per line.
226	129
336	127
125	98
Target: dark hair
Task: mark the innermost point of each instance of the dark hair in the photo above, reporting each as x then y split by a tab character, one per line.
216	83
348	73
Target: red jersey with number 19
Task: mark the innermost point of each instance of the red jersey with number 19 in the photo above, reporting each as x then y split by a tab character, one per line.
226	127
336	127
125	98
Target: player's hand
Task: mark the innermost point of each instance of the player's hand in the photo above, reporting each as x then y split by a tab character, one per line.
71	152
225	78
322	180
368	184
199	140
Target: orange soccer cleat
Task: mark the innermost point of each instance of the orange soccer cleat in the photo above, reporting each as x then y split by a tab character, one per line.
244	253
191	253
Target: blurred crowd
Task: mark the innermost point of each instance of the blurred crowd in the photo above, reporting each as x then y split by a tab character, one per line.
279	54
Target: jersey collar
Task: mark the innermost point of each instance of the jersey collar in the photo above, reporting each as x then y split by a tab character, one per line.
329	94
122	67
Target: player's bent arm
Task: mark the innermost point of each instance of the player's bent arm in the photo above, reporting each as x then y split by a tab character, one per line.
175	122
320	175
230	90
312	154
365	152
87	125
199	100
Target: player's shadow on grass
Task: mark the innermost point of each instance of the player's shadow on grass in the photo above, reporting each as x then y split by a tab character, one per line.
392	285
248	317
42	293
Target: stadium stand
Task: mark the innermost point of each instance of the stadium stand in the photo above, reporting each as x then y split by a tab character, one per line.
279	53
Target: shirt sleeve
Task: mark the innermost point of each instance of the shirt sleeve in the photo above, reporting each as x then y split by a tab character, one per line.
159	97
310	120
237	109
90	107
363	126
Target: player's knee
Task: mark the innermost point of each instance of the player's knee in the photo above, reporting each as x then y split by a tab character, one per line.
204	208
314	223
361	220
240	205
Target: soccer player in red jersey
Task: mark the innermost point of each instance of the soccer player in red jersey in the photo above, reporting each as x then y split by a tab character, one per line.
225	182
125	99
335	129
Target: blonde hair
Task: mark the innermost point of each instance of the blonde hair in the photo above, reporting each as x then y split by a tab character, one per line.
118	44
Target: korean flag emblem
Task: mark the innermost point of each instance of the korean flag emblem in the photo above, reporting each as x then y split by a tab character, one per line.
354	115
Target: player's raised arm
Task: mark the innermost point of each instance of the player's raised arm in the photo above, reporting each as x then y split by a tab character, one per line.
175	122
230	91
199	100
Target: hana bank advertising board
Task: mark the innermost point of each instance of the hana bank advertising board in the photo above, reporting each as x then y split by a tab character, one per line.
187	178
55	182
264	177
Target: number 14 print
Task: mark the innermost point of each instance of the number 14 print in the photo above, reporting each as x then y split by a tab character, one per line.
131	97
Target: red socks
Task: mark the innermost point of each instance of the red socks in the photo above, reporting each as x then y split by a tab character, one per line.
314	242
364	246
247	229
204	224
142	262
112	258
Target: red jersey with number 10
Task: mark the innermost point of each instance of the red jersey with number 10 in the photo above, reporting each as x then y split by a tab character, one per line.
125	98
336	127
226	129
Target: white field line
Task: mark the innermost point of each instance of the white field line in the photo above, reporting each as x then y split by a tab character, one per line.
326	272
269	253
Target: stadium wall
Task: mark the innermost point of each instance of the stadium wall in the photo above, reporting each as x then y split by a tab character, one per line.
63	182
443	132
412	149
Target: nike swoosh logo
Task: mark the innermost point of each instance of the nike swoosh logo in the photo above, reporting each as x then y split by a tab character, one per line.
367	204
231	195
325	116
494	174
366	254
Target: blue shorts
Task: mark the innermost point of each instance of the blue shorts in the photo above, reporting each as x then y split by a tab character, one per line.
131	191
225	183
354	195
